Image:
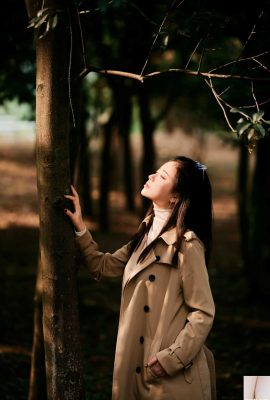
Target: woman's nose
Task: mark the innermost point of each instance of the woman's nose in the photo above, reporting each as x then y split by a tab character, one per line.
151	176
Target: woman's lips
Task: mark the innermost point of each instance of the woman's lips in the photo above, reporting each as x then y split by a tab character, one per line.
146	185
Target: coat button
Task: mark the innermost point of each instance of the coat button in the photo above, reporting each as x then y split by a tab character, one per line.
152	278
138	370
141	339
157	258
146	308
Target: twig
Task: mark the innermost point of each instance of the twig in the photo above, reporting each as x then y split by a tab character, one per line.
141	12
190	57
157	35
239	60
220	104
206	74
262	65
254	97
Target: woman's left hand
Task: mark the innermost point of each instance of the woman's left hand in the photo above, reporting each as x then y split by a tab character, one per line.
156	367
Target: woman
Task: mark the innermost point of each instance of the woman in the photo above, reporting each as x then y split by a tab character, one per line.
167	309
256	387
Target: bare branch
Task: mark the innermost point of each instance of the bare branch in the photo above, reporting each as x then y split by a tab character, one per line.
253	29
197	45
207	75
141	12
157	35
240	60
218	99
262	65
124	74
142	78
254	97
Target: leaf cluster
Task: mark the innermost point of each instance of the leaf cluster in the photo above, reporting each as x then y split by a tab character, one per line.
45	21
251	127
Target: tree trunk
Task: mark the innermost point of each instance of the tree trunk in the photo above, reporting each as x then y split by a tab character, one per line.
243	202
123	111
124	128
59	286
260	222
37	384
148	126
105	174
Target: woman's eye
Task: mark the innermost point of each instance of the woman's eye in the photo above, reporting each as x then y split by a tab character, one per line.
163	177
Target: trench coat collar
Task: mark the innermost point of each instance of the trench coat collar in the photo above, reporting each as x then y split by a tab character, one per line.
154	255
169	236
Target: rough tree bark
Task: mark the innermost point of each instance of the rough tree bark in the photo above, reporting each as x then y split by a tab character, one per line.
63	359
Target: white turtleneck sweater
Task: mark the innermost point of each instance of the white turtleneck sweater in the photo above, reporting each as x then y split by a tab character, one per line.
161	216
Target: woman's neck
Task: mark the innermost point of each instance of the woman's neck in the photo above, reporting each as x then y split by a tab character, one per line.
161	206
161	216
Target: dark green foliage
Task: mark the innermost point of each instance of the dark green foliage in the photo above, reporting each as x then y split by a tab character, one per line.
17	65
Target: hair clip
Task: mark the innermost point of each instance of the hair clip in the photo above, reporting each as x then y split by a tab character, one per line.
200	166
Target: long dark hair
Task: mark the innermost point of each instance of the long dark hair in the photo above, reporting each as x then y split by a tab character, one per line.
192	209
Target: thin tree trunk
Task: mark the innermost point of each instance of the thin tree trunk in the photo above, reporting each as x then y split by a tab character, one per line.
123	110
148	126
260	222
243	201
59	295
105	174
124	127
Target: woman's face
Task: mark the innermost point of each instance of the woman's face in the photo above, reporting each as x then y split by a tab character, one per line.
160	186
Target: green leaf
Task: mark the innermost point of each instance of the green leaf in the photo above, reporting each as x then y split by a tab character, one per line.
238	110
257	116
241	120
41	21
241	128
54	21
260	129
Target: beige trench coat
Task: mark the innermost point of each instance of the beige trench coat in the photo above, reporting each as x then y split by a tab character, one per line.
167	311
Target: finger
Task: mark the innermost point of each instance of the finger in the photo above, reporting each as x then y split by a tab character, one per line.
152	362
68	212
68	196
74	191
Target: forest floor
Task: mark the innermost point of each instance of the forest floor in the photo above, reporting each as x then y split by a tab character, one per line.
240	337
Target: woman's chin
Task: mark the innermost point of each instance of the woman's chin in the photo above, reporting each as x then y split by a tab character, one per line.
144	192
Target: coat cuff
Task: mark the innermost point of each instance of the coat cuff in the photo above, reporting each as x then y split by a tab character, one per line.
171	362
85	240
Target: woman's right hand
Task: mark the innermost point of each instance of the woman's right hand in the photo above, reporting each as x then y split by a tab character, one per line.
76	216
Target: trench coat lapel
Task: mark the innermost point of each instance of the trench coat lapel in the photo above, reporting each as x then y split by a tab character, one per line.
163	253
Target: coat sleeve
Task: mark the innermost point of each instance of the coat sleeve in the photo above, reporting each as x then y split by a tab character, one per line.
101	264
198	298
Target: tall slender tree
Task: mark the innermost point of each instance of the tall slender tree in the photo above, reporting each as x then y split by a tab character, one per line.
63	361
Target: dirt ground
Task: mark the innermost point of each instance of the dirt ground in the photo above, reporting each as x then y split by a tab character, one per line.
240	338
